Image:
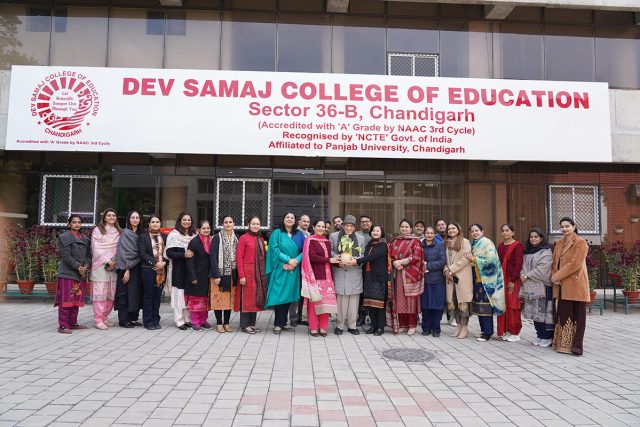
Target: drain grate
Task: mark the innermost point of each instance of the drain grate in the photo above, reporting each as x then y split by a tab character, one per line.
408	354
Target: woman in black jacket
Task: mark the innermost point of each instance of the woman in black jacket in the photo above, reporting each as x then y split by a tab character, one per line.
196	290
177	242
376	278
75	260
151	246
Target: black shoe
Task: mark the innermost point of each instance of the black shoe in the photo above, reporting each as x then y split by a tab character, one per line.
183	327
293	324
150	328
436	334
360	321
136	323
378	332
127	325
188	324
354	331
370	331
426	333
303	322
158	326
338	331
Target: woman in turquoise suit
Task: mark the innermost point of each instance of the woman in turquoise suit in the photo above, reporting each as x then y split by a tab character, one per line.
283	271
488	284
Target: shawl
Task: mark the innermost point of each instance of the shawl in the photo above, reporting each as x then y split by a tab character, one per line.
412	275
259	274
175	240
490	273
227	253
320	292
529	249
127	254
103	246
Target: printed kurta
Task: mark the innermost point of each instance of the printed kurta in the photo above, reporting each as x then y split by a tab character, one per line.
488	274
223	255
408	283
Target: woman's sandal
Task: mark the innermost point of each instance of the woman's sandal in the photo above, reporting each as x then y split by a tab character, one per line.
248	330
314	333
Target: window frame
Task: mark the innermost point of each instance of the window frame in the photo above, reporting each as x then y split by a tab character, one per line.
554	229
43	198
414	56
265	223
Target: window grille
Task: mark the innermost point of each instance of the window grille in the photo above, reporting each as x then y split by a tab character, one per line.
580	202
63	195
242	198
412	64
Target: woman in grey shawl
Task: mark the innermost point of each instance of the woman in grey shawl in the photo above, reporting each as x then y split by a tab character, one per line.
129	281
536	290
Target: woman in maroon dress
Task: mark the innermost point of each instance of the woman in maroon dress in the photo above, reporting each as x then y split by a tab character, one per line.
250	260
511	253
407	259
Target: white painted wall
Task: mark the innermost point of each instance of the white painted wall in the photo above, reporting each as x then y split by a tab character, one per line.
624	105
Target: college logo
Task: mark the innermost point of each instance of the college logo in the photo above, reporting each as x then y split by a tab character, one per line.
64	102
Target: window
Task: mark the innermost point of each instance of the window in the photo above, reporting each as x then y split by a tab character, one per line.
39	20
242	198
155	23
580	202
63	195
412	64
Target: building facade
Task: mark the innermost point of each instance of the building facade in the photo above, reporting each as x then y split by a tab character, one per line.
573	41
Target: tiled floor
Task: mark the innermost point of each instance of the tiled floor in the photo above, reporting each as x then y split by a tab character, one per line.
157	378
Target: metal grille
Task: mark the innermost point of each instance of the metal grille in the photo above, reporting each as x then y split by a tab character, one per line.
412	64
63	195
580	202
242	198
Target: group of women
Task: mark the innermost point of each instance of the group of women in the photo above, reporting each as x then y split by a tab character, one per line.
398	280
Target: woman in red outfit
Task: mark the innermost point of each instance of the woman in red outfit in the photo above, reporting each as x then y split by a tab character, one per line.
317	283
511	253
250	260
407	259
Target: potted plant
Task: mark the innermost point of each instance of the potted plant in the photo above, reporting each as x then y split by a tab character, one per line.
624	267
27	246
6	248
345	247
593	270
49	262
631	273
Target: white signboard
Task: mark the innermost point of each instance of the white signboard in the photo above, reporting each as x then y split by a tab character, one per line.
295	114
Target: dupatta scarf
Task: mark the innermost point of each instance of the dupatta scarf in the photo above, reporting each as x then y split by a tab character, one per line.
175	239
103	246
490	272
320	292
411	277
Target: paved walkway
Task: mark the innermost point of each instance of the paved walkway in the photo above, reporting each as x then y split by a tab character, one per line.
156	378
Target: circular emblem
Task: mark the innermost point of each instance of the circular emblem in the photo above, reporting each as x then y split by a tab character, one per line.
63	101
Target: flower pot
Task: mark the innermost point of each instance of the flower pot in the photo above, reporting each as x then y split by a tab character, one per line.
345	257
26	286
632	296
592	298
52	287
